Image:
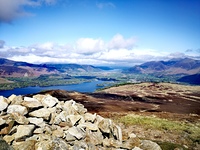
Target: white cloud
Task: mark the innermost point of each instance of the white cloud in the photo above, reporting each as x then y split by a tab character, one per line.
118	42
117	51
89	45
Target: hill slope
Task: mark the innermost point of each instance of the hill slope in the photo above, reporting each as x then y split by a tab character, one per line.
184	66
9	68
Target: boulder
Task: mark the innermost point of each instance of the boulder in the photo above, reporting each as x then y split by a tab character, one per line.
16	100
41	113
75	119
31	102
21	119
3	103
18	109
24	131
25	145
11	98
62	117
94	137
37	121
76	132
105	125
149	145
49	101
88	117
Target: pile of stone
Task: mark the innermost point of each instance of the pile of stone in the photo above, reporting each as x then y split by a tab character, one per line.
42	122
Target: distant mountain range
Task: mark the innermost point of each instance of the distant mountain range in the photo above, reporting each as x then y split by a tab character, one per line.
9	68
188	70
184	66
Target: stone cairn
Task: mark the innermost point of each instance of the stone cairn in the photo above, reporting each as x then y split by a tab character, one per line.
42	122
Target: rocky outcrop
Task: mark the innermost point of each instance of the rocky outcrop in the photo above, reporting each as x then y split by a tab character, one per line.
43	122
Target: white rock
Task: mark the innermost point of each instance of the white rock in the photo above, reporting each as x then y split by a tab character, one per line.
3	103
17	108
30	99
21	119
11	98
41	113
90	117
137	148
24	131
2	121
31	102
89	125
78	133
61	117
37	121
49	101
16	100
76	119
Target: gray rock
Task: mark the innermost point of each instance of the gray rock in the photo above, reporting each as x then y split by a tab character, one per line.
105	125
60	144
61	117
45	145
149	145
18	109
131	143
76	132
41	113
75	119
3	103
4	145
89	125
94	137
24	131
111	143
116	132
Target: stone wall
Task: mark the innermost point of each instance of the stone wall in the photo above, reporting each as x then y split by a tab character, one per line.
42	122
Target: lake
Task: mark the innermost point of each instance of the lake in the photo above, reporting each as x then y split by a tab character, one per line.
81	87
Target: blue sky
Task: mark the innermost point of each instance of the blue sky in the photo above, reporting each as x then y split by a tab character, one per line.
99	32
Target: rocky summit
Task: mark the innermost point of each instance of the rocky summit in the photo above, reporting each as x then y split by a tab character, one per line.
42	122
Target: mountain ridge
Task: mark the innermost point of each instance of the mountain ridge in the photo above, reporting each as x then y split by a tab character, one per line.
185	66
10	68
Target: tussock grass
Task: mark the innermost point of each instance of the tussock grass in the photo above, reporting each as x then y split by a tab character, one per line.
152	122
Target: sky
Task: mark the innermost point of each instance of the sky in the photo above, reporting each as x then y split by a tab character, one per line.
99	32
